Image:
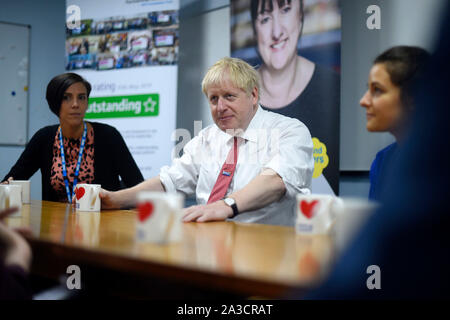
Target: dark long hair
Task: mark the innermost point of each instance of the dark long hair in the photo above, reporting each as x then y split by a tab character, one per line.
404	64
58	85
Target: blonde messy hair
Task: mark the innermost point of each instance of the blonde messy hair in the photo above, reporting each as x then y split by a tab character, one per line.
241	74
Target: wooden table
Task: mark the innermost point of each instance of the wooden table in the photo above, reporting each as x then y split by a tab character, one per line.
212	259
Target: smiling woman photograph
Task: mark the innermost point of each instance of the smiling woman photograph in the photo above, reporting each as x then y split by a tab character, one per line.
297	79
389	104
75	151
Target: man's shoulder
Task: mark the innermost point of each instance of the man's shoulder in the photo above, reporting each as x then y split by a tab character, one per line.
275	120
208	132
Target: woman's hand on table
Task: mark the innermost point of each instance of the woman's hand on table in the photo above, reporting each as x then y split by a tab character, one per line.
108	200
7	181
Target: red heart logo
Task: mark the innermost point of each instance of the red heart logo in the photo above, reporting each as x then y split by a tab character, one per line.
307	208
145	211
80	193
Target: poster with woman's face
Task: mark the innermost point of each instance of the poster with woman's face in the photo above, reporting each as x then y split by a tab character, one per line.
295	45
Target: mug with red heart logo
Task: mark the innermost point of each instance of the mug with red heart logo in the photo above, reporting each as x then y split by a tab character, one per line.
315	213
87	197
159	217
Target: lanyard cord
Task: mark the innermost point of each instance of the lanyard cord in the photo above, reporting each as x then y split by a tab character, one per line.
63	160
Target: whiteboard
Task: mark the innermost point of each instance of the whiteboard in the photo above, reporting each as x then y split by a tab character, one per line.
14	79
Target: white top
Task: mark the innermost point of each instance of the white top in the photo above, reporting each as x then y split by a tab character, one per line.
271	140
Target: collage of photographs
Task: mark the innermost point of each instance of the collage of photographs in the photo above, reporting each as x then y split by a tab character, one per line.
143	40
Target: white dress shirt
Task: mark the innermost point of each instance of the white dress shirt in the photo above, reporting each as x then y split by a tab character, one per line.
271	141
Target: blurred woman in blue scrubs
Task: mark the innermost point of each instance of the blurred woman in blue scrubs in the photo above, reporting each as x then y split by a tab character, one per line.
389	104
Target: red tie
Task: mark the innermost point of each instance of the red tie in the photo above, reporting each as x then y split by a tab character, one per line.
225	175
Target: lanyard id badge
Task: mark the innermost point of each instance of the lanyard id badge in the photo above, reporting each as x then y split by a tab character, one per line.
63	161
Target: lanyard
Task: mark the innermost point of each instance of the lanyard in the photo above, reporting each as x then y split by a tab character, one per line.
63	160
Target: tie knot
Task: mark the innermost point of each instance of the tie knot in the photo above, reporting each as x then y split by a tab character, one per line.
233	152
238	140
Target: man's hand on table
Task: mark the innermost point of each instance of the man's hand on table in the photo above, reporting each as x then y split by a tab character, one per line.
217	211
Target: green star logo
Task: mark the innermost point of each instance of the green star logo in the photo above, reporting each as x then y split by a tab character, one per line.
143	105
149	105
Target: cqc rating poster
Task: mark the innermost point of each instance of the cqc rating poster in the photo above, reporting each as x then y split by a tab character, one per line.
128	51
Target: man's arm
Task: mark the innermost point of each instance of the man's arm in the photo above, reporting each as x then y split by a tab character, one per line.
264	189
127	197
185	167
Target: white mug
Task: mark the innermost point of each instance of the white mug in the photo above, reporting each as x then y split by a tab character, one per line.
87	197
11	196
315	213
159	217
350	217
25	189
176	203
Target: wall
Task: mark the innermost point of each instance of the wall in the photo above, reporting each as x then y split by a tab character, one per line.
403	22
203	40
204	33
359	47
406	22
47	18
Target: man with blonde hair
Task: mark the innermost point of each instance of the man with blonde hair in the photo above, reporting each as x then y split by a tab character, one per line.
248	166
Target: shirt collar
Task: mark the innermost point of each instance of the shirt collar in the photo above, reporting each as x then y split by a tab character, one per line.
254	124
